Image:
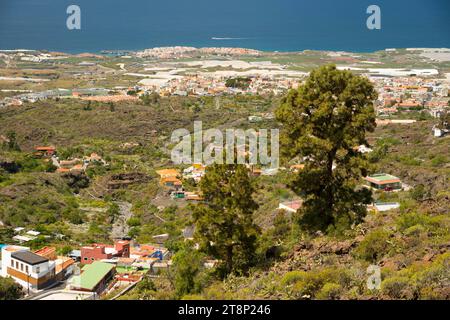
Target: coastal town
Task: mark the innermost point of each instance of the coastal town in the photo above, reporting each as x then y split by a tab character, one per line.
173	71
94	207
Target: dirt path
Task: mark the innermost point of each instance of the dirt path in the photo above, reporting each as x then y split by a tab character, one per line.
120	227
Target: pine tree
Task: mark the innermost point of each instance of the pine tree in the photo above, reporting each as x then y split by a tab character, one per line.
224	223
323	121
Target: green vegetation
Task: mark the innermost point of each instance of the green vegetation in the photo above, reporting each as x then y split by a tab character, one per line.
9	289
224	224
274	254
240	83
323	121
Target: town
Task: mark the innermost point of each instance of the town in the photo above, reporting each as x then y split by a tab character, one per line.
93	205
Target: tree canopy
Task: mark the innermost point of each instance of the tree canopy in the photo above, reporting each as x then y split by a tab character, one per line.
9	289
224	223
323	121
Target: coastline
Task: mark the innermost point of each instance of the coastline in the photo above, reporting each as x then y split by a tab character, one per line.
281	52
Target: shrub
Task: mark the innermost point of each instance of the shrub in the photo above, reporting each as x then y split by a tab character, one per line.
326	283
418	193
373	246
330	291
134	222
9	289
408	220
292	277
396	287
439	160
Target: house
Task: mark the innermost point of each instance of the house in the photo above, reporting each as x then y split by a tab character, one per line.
191	196
70	165
169	179
29	269
171	183
64	267
440	132
383	181
385	206
94	277
168	173
93	158
290	206
44	151
75	255
196	172
22	239
47	252
96	252
18	229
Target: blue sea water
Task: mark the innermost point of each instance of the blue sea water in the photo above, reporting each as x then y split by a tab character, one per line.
283	25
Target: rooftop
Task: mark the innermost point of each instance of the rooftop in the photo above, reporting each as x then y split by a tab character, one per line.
29	257
382	178
168	172
93	273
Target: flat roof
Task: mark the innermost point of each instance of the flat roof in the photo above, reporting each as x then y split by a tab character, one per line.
382	178
28	257
94	273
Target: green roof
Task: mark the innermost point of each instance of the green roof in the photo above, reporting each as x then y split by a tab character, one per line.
383	177
93	273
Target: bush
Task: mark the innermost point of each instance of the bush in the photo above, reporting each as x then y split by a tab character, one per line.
408	220
439	160
396	288
418	193
9	289
330	291
373	246
292	277
134	222
326	283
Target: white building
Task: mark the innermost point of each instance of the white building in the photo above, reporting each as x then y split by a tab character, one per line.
27	268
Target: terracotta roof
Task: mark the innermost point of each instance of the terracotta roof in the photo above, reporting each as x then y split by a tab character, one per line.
168	172
45	148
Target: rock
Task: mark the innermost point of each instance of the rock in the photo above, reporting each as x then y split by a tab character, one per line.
428	257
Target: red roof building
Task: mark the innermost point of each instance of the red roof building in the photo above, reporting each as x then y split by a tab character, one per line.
97	252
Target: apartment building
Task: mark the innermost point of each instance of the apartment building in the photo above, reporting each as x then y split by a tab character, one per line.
32	271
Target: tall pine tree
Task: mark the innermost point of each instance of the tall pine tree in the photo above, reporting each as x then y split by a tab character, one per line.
323	121
224	223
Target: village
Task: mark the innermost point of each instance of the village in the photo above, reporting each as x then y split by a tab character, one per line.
186	71
152	196
97	270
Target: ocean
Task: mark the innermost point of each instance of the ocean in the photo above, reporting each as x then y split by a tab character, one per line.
271	25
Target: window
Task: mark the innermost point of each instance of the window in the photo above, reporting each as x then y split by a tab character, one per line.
38	269
12	263
21	267
26	269
85	258
92	259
